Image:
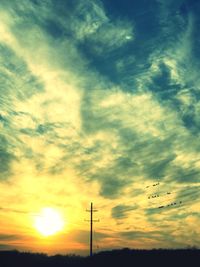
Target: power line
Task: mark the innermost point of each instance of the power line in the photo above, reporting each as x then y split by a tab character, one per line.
95	240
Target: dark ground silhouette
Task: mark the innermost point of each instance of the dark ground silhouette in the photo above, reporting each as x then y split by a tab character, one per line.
116	258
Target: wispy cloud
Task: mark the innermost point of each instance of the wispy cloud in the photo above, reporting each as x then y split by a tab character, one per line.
93	105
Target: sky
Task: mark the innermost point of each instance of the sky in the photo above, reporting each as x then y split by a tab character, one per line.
99	102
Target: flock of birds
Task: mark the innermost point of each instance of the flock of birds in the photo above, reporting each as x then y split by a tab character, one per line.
183	193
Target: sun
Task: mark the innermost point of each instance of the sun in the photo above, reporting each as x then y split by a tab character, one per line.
48	222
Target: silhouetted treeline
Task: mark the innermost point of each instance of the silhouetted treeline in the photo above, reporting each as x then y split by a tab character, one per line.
123	258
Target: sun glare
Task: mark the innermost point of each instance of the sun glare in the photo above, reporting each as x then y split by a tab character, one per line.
48	222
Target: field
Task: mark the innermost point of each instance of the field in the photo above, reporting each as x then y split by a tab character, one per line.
123	258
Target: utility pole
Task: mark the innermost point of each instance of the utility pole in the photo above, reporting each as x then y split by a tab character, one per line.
91	210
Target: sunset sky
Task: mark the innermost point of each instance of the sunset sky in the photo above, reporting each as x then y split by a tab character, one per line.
100	102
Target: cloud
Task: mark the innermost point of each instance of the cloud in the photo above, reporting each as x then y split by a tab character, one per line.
139	234
110	37
90	16
96	106
4	237
6	158
6	247
120	211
